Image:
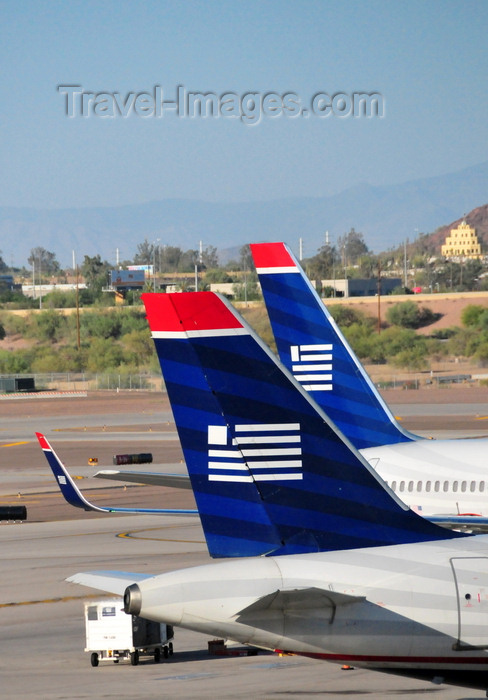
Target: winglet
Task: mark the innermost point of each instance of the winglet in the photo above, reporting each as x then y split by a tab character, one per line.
69	489
74	497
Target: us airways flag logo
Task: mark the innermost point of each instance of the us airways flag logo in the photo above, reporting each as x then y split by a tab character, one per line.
312	366
258	452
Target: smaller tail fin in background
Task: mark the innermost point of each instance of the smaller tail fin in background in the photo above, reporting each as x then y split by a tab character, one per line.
270	473
313	348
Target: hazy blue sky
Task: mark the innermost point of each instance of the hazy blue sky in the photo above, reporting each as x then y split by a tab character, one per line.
427	59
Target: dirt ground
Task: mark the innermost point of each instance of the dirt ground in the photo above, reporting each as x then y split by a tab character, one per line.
450	306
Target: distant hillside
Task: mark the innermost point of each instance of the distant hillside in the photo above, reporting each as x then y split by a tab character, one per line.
385	215
478	218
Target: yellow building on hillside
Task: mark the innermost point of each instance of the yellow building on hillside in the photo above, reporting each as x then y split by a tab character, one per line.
462	243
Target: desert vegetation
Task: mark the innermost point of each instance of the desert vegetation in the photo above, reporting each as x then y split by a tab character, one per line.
118	339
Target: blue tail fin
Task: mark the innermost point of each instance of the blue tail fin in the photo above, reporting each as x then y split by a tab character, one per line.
313	348
270	472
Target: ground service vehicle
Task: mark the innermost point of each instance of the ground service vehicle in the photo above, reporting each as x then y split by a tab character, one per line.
111	635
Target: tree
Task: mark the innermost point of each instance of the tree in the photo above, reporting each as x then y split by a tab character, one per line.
245	261
322	265
188	261
368	265
217	274
247	288
170	258
95	272
210	257
352	247
146	252
3	266
43	261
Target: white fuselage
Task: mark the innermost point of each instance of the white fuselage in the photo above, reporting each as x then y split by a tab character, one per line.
414	606
436	476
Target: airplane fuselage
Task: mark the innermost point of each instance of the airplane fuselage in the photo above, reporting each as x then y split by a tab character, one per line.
419	610
436	476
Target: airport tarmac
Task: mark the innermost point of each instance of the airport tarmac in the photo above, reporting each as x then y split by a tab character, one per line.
41	616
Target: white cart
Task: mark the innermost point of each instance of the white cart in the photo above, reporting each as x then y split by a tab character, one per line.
112	635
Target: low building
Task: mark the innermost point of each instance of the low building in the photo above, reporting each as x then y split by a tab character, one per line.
40	290
356	287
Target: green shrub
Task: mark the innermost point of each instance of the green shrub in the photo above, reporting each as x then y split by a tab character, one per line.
100	325
14	324
48	326
470	315
138	347
413	358
58	299
18	362
408	314
345	316
103	354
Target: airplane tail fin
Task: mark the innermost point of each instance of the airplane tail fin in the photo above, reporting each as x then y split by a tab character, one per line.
270	473
312	347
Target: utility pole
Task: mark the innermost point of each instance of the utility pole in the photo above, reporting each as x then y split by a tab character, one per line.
77	309
40	283
379	296
155	244
405	279
197	263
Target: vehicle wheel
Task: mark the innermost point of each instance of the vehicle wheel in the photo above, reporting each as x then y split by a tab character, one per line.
170	647
157	656
134	658
94	659
116	661
165	652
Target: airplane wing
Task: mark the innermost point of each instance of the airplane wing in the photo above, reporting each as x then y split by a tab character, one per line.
313	348
178	481
467	523
464	523
110	581
74	496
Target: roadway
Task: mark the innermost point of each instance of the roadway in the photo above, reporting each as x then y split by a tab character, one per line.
41	615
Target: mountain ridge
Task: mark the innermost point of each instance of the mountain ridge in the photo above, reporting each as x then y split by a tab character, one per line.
385	214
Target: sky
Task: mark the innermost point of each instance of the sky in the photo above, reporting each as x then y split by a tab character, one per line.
427	62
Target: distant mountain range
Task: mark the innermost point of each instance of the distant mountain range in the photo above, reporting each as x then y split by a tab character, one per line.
385	215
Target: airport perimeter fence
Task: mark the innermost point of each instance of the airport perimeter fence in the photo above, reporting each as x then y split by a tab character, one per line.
442	380
113	381
85	381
